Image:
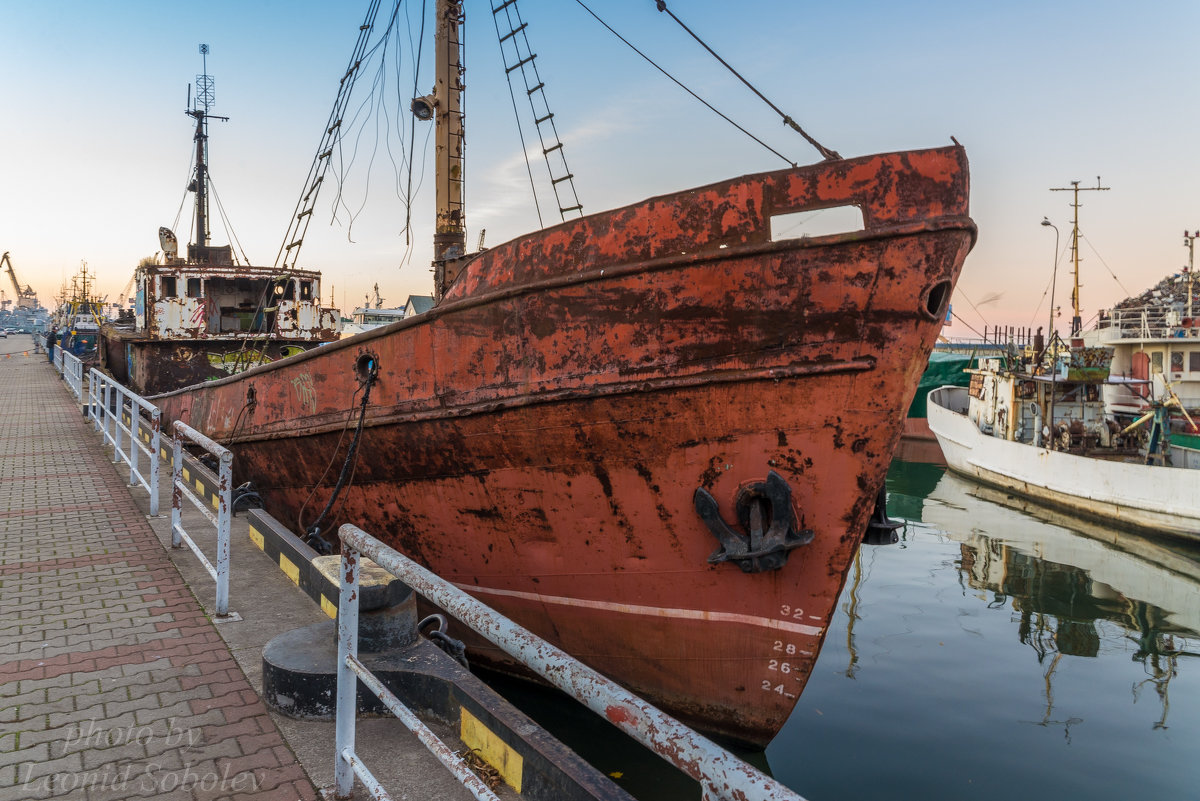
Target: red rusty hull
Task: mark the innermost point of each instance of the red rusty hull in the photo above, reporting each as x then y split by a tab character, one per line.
538	437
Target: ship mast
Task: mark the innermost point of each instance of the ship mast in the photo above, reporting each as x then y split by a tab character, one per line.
205	95
1189	241
1076	320
449	239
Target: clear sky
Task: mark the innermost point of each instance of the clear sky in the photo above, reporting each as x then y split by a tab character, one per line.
95	148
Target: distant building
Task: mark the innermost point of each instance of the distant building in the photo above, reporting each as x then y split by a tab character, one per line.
418	304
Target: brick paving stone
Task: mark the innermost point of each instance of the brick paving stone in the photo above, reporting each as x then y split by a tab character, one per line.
113	683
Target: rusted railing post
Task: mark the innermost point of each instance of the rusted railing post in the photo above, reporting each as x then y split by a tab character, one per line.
103	395
221	520
347	682
176	493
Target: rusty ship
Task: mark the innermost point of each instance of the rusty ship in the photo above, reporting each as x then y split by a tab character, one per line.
205	314
653	436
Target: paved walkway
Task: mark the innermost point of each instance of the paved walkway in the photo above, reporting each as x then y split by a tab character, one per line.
113	683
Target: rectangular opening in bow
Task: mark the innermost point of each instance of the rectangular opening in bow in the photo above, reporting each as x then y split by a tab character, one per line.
816	222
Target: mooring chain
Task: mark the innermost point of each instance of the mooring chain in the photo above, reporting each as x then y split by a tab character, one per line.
454	648
313	533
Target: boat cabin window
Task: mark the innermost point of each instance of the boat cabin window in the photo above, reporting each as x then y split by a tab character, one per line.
1156	361
306	290
238	302
1176	361
167	285
1194	361
193	288
287	289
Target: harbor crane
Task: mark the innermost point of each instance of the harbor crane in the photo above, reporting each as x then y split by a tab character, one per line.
124	296
26	297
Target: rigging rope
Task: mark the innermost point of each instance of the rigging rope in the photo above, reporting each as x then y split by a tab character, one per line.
233	239
1128	294
680	84
416	50
826	153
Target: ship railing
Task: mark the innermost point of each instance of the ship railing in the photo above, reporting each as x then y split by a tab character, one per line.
107	404
223	501
722	776
1148	322
72	373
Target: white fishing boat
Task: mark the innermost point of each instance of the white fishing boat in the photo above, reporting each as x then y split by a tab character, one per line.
995	432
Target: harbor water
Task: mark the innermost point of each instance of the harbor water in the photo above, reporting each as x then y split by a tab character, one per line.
998	650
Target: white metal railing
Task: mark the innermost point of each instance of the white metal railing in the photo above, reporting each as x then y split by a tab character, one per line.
221	519
1148	322
107	402
72	373
58	358
722	776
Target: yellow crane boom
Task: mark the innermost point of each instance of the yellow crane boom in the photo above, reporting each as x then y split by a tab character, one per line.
26	297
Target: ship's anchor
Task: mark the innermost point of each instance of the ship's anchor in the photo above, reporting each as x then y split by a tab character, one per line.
764	510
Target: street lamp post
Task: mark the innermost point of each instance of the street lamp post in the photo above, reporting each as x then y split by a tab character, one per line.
1048	428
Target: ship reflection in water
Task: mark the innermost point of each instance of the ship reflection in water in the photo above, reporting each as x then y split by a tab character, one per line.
998	648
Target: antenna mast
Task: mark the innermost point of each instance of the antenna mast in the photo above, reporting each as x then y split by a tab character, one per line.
1076	321
205	100
1189	241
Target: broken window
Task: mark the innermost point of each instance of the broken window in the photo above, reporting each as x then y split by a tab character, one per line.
306	290
167	283
193	288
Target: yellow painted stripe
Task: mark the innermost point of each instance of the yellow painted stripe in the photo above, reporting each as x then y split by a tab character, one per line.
257	538
200	486
187	476
216	500
328	607
491	748
289	569
163	451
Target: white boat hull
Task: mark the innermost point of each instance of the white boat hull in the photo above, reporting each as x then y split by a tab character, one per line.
1147	497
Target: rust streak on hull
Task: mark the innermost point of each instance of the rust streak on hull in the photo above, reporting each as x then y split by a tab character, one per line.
538	437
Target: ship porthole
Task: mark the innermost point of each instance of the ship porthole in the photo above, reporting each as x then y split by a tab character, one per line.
936	298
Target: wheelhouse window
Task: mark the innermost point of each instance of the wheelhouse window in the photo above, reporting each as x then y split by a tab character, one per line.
194	288
167	284
306	290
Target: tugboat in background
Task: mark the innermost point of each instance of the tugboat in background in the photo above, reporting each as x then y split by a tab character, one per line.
206	315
